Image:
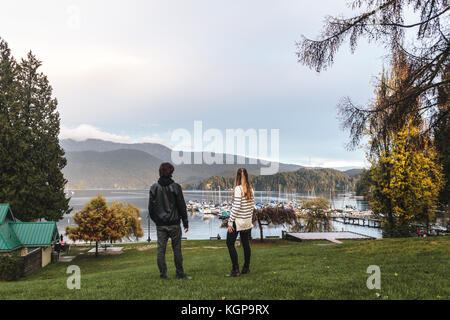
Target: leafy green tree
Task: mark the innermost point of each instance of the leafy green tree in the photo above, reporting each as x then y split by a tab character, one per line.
97	222
362	187
316	217
31	159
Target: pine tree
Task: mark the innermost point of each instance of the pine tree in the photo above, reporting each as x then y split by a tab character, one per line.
32	181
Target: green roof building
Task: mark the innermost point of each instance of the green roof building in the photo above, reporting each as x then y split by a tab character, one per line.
27	237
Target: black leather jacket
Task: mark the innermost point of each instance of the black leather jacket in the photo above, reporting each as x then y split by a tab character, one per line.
166	204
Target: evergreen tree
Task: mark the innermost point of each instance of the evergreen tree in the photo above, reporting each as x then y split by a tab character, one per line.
31	157
442	142
9	148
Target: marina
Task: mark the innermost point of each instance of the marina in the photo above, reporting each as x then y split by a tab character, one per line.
208	208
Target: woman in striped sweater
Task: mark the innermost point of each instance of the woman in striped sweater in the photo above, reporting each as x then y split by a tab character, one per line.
240	221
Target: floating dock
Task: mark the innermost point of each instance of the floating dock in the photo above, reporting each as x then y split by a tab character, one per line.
330	236
358	221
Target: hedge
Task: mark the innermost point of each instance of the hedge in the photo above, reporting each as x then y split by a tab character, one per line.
11	266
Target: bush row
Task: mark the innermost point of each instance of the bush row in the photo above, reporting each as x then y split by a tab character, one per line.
11	266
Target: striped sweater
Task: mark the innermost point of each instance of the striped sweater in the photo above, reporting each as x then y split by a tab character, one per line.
241	210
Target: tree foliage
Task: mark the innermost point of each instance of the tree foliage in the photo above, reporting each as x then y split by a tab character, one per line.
97	222
316	217
31	158
321	180
442	143
362	187
132	215
405	182
272	216
383	22
420	47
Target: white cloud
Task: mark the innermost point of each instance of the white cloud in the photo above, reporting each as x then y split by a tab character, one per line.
86	131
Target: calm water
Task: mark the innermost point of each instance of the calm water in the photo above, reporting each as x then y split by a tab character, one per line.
204	229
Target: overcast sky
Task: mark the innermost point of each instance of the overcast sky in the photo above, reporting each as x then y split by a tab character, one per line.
137	70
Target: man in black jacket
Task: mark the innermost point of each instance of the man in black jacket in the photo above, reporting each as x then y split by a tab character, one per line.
167	207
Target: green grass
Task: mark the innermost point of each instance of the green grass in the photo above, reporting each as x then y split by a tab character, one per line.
279	270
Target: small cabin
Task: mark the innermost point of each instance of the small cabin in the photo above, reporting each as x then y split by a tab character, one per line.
32	240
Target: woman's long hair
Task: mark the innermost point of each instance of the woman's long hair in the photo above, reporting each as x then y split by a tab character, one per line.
242	179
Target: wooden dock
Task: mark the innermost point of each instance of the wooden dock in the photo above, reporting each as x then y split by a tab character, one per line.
359	221
329	236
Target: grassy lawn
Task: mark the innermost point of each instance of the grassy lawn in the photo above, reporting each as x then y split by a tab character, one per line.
415	268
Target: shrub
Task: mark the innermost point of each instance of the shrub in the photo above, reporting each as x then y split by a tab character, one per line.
10	267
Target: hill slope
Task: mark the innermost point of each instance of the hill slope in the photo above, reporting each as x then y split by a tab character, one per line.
301	180
104	164
110	169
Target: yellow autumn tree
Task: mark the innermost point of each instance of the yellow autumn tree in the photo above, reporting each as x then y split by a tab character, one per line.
97	222
405	182
132	216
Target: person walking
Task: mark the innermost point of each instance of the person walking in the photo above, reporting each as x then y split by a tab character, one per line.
240	221
166	208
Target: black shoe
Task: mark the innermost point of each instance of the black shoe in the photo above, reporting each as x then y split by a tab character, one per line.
163	276
234	273
245	270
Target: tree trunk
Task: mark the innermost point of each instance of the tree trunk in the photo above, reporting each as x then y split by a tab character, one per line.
96	248
261	230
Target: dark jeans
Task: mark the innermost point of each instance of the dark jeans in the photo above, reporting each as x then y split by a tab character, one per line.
174	233
231	240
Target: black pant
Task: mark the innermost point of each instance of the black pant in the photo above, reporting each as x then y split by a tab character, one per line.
164	233
231	240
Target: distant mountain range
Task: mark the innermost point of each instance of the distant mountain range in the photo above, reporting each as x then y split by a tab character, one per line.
100	164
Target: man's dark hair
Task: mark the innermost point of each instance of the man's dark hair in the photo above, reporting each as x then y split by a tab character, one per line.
166	169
